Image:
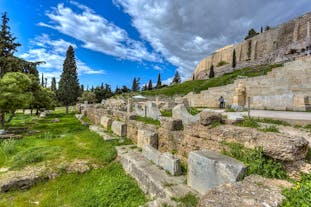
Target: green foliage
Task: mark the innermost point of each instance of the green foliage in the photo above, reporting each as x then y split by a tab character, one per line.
273	121
177	78
135	84
53	85
150	87
193	111
300	194
159	83
211	72
251	33
256	161
69	87
189	200
199	85
252	123
148	120
8	147
88	96
222	63
167	113
308	157
270	129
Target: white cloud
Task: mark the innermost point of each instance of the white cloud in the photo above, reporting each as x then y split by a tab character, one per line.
53	53
97	33
186	31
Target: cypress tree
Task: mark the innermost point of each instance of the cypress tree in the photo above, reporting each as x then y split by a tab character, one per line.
211	72
159	84
135	84
233	59
53	85
69	83
176	78
150	85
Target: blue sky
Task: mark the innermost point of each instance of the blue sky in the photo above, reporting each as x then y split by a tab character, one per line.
118	40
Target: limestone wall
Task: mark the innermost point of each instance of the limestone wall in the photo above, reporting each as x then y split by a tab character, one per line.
278	44
284	88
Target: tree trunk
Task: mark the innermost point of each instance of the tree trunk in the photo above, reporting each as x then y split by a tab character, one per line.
31	111
67	110
11	117
2	117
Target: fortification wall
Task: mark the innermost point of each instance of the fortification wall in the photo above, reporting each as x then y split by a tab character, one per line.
284	88
279	44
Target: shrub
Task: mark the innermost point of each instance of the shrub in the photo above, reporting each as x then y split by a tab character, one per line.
166	113
256	161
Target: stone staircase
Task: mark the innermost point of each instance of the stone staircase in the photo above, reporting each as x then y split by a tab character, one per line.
154	181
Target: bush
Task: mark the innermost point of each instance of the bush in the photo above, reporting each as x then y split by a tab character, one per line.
256	161
166	113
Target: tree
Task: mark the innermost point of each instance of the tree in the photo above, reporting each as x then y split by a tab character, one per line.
125	89
233	59
267	28
176	78
53	85
211	72
145	87
251	33
159	83
135	84
88	96
118	91
150	85
42	80
68	91
14	94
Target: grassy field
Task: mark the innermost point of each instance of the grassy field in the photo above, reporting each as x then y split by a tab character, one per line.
198	85
57	143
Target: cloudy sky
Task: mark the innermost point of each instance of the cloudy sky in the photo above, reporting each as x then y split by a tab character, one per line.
117	40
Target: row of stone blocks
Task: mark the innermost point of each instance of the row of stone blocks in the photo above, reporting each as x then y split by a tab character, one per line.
166	161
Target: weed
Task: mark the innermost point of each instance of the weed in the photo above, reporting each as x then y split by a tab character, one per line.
256	161
166	113
148	120
193	111
273	121
248	123
270	129
189	200
8	147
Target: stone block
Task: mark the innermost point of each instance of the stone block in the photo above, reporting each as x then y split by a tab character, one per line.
166	160
207	169
151	154
180	112
170	163
119	128
235	118
208	118
147	137
105	122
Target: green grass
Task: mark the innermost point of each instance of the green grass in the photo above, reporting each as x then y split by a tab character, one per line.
193	111
109	186
148	120
167	113
198	85
64	142
251	123
272	121
188	200
257	162
300	194
270	129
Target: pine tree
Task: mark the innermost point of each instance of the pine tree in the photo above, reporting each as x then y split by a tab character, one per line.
145	87
53	85
159	83
233	59
176	78
211	72
150	85
125	89
69	83
7	46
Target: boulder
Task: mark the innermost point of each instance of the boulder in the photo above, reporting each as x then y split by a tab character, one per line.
119	128
105	122
235	117
207	169
180	112
254	190
147	137
208	118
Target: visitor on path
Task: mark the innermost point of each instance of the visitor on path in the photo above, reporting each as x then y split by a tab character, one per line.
221	102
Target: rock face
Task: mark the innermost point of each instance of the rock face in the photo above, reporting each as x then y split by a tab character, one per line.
105	122
166	160
208	118
180	112
253	191
147	137
119	128
209	169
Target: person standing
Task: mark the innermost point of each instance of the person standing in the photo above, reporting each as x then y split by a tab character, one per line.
221	102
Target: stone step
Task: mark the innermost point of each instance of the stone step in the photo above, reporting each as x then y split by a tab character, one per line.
153	181
101	132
